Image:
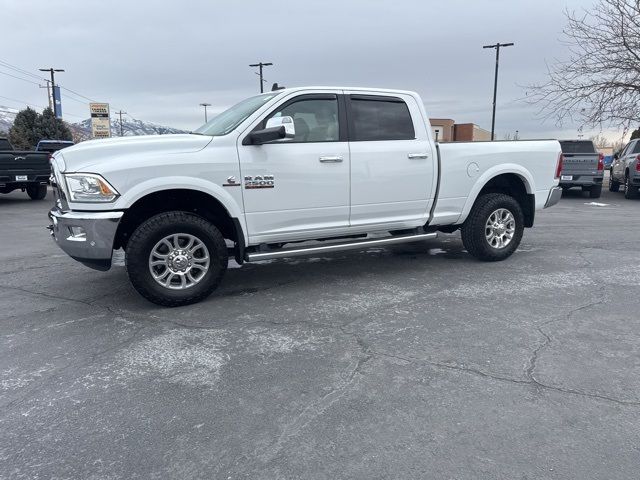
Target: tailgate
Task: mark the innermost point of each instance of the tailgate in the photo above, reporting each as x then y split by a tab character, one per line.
580	163
35	165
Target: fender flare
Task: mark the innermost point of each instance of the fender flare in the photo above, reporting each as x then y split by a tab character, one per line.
148	187
487	176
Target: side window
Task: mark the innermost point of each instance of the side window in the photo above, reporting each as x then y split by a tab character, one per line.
380	118
315	120
636	149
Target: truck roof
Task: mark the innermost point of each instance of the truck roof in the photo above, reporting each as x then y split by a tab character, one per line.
333	87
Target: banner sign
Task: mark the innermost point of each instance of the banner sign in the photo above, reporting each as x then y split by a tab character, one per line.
57	102
100	120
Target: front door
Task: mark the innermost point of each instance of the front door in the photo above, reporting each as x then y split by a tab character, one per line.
299	187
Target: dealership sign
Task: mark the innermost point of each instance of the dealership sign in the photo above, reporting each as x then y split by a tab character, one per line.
100	121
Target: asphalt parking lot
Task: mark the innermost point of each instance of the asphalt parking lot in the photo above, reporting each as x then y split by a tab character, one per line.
408	362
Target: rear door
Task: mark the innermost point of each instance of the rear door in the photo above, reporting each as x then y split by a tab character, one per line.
579	158
391	160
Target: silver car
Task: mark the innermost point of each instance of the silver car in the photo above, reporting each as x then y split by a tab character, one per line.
625	170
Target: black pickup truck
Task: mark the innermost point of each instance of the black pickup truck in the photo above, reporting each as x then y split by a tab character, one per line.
25	170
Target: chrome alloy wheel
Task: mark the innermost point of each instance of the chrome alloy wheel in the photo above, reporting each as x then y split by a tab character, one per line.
500	228
179	261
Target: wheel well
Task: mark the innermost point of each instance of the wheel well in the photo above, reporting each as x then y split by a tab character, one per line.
186	200
514	186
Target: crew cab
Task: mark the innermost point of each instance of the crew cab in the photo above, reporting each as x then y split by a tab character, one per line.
625	170
23	170
292	172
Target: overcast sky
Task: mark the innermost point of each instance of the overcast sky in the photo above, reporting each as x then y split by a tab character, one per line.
158	60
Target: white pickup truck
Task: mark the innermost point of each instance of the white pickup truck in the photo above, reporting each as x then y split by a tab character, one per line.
291	172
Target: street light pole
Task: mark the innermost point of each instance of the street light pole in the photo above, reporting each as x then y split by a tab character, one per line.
495	84
260	65
52	71
205	105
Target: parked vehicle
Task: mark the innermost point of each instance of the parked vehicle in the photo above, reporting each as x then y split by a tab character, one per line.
582	166
23	170
625	170
52	145
337	168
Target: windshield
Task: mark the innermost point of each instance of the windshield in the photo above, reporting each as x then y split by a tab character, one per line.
229	119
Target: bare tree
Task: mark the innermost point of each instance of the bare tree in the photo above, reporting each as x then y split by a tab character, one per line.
599	141
600	83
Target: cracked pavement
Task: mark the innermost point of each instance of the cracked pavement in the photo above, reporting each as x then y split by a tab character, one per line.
408	362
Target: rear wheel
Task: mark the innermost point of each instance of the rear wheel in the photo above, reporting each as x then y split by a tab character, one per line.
595	191
37	192
613	185
176	258
494	228
630	191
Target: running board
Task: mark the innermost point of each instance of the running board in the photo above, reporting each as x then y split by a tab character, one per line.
336	247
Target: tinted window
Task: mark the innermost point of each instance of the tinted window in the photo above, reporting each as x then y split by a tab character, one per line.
577	146
636	149
4	144
382	119
315	120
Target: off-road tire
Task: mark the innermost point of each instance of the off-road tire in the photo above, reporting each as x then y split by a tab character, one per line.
613	185
473	229
145	237
595	191
37	192
630	190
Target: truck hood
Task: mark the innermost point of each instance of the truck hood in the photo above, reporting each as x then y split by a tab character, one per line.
85	156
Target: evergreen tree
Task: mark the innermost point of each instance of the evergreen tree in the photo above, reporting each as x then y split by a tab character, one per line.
635	134
22	133
48	127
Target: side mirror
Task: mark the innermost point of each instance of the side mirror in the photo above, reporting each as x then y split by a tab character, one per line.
286	122
266	135
616	156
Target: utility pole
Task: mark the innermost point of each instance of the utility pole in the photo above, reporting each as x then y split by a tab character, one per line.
120	113
495	84
260	65
48	87
205	105
52	71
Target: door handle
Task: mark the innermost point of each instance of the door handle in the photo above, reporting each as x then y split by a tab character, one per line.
414	156
331	159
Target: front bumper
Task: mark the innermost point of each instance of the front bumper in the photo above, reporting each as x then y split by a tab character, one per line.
555	194
86	236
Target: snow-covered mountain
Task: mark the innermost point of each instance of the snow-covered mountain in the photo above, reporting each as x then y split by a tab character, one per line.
82	130
130	127
7	115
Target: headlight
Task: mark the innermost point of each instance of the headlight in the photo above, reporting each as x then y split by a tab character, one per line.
87	187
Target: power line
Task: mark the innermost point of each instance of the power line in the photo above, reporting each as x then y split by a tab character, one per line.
19	78
20	70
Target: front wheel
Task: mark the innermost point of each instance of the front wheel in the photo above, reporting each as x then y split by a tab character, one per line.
37	192
613	185
176	258
630	191
494	228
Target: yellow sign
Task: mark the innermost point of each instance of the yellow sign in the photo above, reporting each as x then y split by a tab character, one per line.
100	120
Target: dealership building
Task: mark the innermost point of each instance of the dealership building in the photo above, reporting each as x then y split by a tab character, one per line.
447	130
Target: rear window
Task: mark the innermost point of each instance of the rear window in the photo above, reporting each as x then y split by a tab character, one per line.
4	144
577	146
53	147
380	118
